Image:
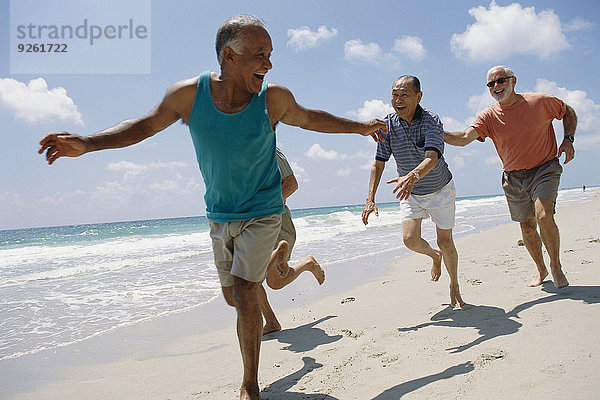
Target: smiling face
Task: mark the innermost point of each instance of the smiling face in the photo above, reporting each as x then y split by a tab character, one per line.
254	62
503	93
405	99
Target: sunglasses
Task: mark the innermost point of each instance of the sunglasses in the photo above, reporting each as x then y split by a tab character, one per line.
491	84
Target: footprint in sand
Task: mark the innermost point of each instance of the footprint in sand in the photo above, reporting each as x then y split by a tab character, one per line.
350	334
556	369
487	358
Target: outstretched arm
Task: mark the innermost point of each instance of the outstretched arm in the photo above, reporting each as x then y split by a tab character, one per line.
376	172
126	133
569	125
283	107
461	138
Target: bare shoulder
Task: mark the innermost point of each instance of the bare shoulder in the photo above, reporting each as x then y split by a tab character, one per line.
279	101
279	93
183	88
180	97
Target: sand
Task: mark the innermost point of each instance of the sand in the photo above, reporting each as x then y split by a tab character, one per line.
392	337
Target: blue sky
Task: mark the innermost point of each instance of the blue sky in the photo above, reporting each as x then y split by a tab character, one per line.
339	56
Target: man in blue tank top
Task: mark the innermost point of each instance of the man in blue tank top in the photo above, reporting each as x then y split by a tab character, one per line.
231	115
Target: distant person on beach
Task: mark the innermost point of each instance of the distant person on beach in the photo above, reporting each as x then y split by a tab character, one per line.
276	275
520	126
424	183
231	115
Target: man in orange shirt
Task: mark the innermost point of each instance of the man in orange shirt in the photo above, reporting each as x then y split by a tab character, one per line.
520	126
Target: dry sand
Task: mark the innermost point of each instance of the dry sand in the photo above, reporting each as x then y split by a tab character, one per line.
393	337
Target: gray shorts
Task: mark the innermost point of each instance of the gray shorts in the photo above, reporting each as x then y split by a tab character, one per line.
243	248
287	231
523	187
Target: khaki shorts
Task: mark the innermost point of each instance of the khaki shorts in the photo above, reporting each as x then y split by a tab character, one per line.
243	248
440	206
287	232
523	187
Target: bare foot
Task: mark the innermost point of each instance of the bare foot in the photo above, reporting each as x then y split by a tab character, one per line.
315	268
279	258
436	267
559	278
539	279
247	394
456	300
271	326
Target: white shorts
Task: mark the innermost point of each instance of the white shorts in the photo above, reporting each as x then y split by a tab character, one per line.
440	206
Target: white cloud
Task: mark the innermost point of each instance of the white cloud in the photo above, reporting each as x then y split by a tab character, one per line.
410	46
588	142
168	185
371	109
588	112
495	35
132	169
577	24
34	103
346	171
303	38
11	200
479	102
357	50
64	199
453	125
316	152
299	172
494	160
458	162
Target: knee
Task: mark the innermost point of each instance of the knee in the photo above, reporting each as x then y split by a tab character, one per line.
274	281
544	213
446	245
244	294
528	228
545	219
411	241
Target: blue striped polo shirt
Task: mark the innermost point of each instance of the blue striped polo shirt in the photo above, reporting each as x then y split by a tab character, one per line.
408	144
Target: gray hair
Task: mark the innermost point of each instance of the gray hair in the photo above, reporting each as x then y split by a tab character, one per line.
507	70
231	34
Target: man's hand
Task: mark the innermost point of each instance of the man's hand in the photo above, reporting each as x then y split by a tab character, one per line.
369	208
62	144
404	185
567	148
376	128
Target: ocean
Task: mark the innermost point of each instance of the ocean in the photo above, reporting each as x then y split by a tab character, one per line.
62	285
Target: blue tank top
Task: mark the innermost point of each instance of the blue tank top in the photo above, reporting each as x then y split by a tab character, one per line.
236	156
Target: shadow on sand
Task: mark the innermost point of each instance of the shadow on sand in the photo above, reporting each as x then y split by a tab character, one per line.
587	294
404	388
492	321
279	389
303	338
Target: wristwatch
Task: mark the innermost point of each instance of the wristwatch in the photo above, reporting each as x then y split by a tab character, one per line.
570	138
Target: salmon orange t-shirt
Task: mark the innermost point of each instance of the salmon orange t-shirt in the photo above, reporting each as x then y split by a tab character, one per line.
522	133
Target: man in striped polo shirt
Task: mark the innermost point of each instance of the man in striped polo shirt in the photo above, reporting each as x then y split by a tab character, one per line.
424	183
